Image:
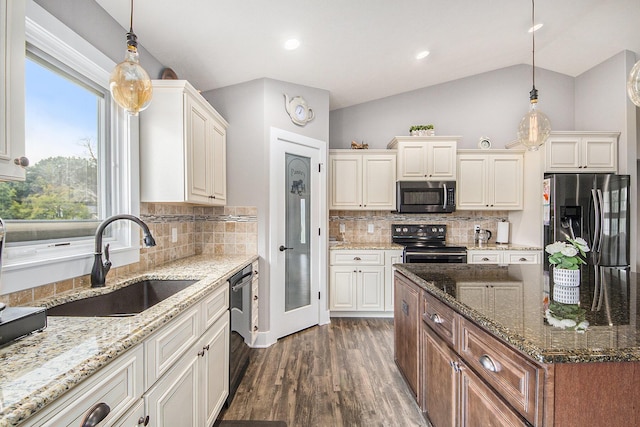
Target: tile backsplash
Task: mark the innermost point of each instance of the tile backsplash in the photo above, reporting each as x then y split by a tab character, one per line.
225	230
459	224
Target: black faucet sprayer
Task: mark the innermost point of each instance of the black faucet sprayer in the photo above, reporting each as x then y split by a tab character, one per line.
100	269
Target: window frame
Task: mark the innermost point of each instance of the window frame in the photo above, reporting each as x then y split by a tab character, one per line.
31	265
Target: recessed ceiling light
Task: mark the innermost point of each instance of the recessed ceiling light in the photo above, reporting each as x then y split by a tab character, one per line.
536	27
292	44
422	54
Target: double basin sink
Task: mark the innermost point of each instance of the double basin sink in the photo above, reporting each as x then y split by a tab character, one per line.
127	301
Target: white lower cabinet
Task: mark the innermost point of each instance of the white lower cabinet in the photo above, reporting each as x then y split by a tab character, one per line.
503	257
193	391
362	280
118	385
196	384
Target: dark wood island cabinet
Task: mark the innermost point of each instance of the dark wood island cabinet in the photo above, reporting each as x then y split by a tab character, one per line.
507	366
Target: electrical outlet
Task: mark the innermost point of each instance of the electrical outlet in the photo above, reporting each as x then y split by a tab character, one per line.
370	228
174	235
342	228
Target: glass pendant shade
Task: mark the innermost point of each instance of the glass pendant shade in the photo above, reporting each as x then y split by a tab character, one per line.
534	128
633	84
130	84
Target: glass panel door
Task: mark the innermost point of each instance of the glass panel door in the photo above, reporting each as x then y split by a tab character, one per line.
297	232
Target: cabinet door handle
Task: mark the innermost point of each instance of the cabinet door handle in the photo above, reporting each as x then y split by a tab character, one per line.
201	353
143	421
255	297
255	328
435	318
487	363
23	162
96	414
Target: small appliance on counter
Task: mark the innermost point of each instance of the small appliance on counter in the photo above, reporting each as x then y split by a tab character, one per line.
16	322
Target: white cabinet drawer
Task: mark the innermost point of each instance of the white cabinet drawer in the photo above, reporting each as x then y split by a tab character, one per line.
215	305
119	385
349	257
522	257
487	257
164	348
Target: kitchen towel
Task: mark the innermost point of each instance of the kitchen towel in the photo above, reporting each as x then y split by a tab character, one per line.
503	232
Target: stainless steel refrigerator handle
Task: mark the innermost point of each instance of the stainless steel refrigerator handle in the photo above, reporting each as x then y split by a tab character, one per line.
601	212
596	211
444	202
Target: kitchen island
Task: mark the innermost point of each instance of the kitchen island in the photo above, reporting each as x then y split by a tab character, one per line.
41	369
474	342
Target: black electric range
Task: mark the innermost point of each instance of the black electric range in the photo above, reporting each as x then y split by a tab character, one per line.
426	243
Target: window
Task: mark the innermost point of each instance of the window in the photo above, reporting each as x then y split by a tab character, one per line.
61	198
83	162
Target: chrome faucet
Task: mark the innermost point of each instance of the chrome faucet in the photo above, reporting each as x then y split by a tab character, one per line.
100	270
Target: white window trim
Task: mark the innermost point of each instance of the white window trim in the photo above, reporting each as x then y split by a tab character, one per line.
26	267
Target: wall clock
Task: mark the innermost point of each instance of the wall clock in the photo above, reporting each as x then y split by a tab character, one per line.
484	143
298	110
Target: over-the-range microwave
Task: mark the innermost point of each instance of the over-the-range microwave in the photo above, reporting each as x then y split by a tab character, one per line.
426	196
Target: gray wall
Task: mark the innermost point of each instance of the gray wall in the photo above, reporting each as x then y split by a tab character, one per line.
93	24
489	104
251	109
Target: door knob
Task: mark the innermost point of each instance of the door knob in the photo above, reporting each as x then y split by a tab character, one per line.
283	248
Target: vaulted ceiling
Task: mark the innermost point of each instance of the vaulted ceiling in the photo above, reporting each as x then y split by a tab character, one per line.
360	50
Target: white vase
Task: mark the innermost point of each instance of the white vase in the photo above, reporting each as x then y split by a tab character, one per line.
566	294
564	277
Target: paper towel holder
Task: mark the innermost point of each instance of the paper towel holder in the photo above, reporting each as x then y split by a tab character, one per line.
502	234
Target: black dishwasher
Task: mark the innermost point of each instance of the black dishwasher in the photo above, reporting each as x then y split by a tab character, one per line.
240	325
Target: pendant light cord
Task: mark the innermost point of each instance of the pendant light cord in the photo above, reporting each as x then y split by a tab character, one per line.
533	39
131	18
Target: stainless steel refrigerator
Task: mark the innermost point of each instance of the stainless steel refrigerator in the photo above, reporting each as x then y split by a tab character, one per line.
592	206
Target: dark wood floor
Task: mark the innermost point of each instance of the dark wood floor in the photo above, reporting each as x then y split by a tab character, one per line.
342	374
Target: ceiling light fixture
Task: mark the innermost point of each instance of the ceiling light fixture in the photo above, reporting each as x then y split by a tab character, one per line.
633	84
129	83
422	54
534	127
292	44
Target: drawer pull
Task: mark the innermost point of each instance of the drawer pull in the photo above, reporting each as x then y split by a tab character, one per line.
523	259
96	414
436	319
357	258
485	259
487	363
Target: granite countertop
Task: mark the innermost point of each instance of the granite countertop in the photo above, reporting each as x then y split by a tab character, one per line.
39	368
511	302
365	246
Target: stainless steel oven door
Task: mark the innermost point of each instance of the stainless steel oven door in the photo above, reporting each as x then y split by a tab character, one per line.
434	257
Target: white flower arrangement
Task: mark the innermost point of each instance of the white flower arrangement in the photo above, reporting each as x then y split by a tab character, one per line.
567	316
565	254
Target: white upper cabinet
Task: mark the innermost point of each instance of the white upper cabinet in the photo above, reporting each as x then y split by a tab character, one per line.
423	158
582	152
12	56
182	147
362	181
490	181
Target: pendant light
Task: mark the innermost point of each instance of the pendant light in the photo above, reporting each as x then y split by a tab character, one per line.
633	84
130	84
534	127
